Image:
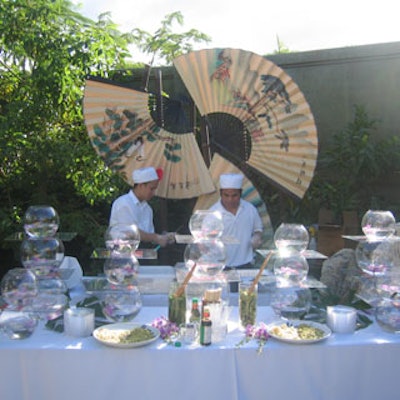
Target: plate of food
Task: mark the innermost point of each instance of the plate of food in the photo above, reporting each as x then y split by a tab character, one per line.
126	335
298	331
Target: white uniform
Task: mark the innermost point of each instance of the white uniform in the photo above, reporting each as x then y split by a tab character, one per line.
240	226
127	209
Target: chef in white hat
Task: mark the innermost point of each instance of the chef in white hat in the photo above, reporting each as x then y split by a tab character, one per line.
133	207
241	221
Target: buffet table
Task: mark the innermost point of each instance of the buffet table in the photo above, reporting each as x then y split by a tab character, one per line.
53	366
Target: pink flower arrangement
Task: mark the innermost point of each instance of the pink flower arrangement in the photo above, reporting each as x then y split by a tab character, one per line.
168	330
257	332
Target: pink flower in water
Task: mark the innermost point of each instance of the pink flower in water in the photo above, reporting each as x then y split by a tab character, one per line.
168	330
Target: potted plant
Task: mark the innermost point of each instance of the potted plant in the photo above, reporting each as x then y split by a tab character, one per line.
349	169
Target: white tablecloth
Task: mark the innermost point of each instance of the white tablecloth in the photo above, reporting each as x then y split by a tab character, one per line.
52	366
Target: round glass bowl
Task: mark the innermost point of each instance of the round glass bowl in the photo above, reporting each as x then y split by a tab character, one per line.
122	238
52	285
205	224
208	255
48	306
18	325
378	224
388	285
121	304
42	255
291	237
291	269
18	287
387	315
291	302
121	270
375	257
41	221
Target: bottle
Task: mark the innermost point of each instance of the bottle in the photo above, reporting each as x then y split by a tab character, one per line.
195	315
313	241
205	328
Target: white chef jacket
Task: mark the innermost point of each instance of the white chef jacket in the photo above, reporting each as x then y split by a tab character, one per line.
240	226
127	209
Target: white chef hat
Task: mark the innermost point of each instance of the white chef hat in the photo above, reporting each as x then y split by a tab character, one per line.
231	181
143	175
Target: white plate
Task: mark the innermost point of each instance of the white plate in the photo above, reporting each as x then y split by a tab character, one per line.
324	328
120	327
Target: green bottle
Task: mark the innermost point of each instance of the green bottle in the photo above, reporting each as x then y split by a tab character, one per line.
195	312
205	328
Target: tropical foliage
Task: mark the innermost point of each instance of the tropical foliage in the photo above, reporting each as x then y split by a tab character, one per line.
47	49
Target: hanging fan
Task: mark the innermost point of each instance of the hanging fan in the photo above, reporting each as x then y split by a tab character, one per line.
220	165
272	120
124	134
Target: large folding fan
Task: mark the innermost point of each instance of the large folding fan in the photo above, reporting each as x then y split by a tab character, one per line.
124	134
276	120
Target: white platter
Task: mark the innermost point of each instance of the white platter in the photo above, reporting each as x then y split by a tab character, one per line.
324	328
114	329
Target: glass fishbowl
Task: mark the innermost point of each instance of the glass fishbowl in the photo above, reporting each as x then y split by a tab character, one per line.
378	224
291	269
291	237
375	258
122	238
208	255
42	255
41	221
291	302
387	314
121	269
19	287
121	303
206	224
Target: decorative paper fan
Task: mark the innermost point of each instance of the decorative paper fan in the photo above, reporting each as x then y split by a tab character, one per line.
124	134
275	121
220	165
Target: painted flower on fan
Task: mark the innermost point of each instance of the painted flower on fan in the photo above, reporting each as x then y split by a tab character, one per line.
168	330
257	332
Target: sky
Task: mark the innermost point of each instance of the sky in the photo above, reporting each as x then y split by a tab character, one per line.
255	25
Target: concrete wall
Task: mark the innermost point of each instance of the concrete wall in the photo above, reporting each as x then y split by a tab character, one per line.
335	80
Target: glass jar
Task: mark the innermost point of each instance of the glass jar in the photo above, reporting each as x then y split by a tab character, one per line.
176	305
248	294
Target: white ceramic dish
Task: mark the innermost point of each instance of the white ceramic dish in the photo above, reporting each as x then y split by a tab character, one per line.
289	339
112	330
